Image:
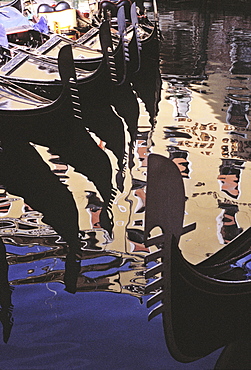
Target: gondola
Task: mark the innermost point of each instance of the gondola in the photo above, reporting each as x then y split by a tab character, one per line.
85	57
140	46
28	118
143	38
98	91
230	262
140	49
201	313
87	49
148	89
25	174
134	58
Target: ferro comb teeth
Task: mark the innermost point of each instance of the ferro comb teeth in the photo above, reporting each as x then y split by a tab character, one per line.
153	286
155	299
154	256
158	268
156	311
154	240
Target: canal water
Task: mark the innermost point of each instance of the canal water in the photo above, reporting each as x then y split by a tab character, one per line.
203	126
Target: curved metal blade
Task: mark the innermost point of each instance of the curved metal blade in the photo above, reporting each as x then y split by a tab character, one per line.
134	17
66	64
121	20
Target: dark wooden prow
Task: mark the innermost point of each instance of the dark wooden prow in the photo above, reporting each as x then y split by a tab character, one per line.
165	206
138	46
66	64
116	59
200	313
124	42
68	77
107	49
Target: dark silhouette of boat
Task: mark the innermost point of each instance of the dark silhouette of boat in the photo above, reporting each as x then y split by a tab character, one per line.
127	62
99	95
136	51
143	54
206	306
57	125
41	76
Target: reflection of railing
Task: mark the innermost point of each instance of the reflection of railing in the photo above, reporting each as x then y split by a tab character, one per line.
125	271
28	225
41	254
